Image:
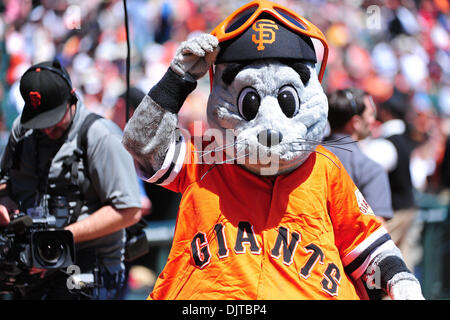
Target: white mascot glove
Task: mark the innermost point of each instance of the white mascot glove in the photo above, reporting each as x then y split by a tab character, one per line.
404	286
195	56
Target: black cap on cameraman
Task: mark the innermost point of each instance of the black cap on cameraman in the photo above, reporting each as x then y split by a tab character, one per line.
46	89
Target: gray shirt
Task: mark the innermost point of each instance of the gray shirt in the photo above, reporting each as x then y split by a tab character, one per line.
368	176
112	179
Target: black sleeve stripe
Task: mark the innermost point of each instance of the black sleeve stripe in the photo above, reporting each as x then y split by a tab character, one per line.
178	144
166	175
359	260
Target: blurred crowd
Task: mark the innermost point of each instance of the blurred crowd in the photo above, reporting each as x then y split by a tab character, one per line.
374	45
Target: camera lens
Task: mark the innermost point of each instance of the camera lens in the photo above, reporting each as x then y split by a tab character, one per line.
50	250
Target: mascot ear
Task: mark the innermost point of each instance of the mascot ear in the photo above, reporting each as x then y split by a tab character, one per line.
302	70
231	71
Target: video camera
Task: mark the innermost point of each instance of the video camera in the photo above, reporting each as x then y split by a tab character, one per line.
32	243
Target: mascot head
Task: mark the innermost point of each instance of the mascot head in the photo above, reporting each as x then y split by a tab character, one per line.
265	89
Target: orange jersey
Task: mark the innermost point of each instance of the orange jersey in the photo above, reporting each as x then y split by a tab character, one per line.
303	235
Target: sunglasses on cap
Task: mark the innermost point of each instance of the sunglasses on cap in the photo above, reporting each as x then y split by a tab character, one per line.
241	19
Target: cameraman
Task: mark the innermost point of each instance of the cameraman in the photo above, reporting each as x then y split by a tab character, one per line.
40	164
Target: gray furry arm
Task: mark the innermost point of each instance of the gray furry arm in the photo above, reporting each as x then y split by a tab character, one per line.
148	134
151	129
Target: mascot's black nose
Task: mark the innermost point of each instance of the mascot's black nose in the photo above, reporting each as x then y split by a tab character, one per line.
269	137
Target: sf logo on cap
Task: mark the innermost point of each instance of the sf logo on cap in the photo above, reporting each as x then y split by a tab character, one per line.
266	33
35	99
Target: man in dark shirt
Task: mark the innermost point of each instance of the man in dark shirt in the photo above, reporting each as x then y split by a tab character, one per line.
351	116
392	150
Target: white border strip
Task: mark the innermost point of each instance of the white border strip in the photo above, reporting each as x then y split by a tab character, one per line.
166	164
352	255
388	245
178	163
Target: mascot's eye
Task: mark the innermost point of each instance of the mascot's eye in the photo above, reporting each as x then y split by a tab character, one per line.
289	101
248	103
